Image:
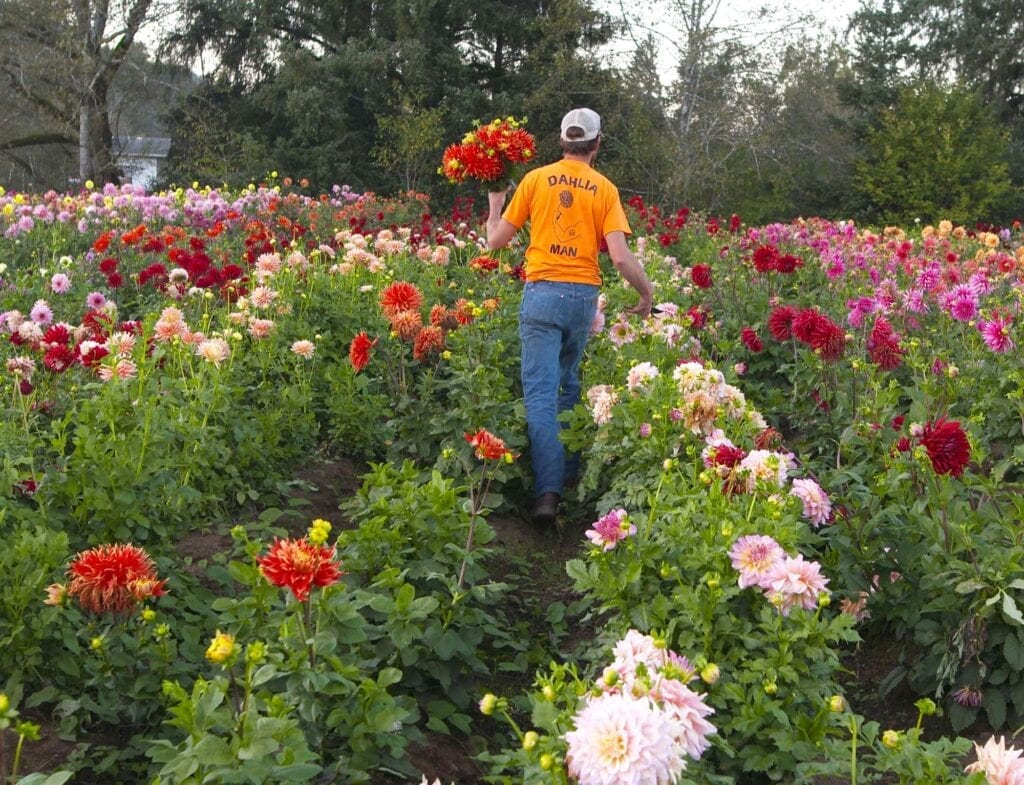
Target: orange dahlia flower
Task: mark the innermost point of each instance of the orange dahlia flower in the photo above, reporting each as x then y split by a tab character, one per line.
400	296
487	446
300	565
113	578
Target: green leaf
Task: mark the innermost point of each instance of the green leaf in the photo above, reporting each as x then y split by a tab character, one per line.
259	748
969	586
1011	611
994	703
389	676
1013	651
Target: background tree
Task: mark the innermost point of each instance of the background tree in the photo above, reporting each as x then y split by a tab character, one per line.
939	153
61	59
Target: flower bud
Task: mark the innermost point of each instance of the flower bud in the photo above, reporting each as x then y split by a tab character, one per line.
610	676
96	643
488	704
148	614
5	703
836	704
770	687
824	599
891	739
256	652
710	673
221	648
547	761
548	692
530	739
926	706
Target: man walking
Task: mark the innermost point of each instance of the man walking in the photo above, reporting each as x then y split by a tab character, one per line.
571	208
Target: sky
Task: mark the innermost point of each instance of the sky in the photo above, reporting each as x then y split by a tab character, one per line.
751	19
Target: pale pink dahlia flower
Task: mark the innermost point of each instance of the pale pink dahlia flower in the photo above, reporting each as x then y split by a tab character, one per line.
1001	765
817	506
621	741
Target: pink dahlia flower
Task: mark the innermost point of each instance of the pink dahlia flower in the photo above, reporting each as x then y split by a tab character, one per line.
755	556
795	582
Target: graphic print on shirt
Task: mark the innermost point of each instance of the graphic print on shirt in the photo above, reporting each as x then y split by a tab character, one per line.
565	231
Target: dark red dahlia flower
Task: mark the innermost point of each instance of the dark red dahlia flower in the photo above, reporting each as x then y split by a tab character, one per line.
700	274
805	323
947	446
751	340
828	340
766	258
780	322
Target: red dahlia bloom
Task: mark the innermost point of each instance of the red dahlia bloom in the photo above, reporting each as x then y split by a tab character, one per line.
108	265
726	455
359	351
487	446
400	296
300	565
700	274
805	323
947	446
59	358
780	322
766	258
787	263
57	334
113	578
828	340
751	340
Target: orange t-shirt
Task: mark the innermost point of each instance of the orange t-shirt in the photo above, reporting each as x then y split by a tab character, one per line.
571	207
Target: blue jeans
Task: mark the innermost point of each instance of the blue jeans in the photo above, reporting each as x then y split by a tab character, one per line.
554	324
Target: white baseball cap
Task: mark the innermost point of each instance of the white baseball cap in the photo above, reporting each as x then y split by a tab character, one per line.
587	120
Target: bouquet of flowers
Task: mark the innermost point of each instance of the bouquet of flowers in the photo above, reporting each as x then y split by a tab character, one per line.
490	154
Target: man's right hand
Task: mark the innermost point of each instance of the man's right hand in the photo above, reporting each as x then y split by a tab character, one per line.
643	308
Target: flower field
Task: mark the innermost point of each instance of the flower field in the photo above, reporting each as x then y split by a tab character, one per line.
815	440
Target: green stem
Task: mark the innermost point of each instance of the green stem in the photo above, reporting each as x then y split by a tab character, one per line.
853	751
475	506
17	758
308	632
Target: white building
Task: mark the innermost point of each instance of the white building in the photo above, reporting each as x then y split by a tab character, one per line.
141	158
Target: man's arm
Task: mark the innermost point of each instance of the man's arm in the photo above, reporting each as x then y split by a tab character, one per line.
629	268
499	231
